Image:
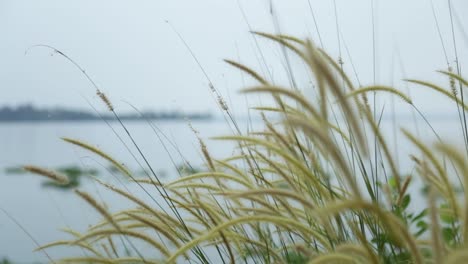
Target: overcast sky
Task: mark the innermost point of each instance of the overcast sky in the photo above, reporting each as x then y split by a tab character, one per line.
134	55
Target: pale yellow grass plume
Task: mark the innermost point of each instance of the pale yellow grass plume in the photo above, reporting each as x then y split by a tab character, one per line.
52	175
101	153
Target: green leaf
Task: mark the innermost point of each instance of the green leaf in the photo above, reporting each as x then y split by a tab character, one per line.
397	211
449	234
403	257
392	183
422	227
422	224
422	214
406	201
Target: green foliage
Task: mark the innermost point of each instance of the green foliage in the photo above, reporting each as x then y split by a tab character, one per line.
294	257
184	169
14	170
73	173
5	261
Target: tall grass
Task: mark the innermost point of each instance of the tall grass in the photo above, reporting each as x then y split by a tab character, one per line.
306	188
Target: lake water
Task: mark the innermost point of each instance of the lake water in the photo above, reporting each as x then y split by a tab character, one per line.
42	211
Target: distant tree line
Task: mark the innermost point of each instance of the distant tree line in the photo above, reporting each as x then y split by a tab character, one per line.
30	113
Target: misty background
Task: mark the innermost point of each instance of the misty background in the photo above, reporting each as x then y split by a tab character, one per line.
132	50
134	55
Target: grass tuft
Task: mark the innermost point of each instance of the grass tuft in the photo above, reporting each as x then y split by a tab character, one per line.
316	184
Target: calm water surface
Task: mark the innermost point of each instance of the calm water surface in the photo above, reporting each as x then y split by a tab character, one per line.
42	211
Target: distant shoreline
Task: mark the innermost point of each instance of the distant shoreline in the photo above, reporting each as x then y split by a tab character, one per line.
109	120
28	113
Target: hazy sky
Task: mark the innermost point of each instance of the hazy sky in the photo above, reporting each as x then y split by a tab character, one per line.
134	55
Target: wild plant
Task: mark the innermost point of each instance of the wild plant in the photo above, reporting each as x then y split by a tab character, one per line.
317	184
